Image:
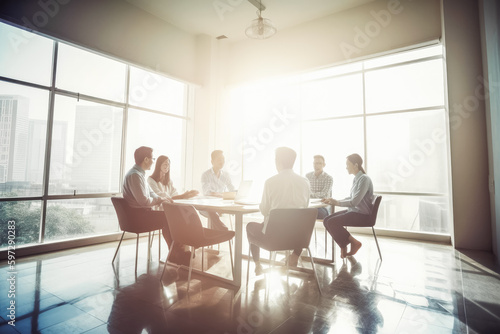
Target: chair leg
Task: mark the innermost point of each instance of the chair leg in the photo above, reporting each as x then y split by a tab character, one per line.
314	270
117	248
152	239
136	252
210	225
190	267
376	241
326	242
150	243
271	259
287	266
231	257
248	264
202	259
159	245
166	260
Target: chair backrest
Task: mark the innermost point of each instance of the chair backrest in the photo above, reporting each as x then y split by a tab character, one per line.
290	228
376	203
183	222
123	213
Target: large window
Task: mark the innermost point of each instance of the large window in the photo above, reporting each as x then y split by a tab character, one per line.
85	148
64	145
390	110
23	125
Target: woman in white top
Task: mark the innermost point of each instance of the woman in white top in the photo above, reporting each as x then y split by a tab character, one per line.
161	183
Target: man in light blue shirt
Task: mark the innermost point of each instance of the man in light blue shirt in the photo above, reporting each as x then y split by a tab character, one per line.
141	199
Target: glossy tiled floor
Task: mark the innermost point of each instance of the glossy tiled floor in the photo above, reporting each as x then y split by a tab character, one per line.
417	288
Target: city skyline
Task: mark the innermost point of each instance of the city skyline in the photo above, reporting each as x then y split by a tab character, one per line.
91	140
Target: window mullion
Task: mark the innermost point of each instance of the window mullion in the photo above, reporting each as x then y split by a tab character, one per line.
48	144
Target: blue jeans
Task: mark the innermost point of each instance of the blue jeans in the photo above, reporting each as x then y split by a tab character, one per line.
323	213
335	223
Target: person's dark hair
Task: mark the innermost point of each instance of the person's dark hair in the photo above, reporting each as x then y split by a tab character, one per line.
157	172
317	156
215	154
286	156
356	159
141	153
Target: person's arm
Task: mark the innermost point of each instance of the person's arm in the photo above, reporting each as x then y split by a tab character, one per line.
306	193
171	191
174	195
265	205
359	191
325	190
141	192
206	186
309	178
186	195
228	182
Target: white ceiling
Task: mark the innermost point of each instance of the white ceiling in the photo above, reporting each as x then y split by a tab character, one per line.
231	17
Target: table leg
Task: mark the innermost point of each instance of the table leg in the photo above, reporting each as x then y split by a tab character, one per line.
327	261
238	246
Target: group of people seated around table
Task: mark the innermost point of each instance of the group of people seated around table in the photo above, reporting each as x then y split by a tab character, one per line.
286	189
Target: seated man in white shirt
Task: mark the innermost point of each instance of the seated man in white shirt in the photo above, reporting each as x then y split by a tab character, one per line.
321	183
215	182
141	199
284	190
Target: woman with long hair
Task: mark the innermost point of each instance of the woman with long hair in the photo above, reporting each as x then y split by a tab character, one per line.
161	183
358	204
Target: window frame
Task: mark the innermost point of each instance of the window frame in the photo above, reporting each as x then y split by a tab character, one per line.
42	245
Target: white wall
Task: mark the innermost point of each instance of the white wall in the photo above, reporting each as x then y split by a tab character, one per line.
206	101
490	45
114	28
365	30
469	155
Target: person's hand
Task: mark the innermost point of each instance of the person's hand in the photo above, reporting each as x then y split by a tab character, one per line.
167	199
330	201
190	193
326	200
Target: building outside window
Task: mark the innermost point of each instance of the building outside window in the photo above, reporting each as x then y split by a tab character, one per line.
64	145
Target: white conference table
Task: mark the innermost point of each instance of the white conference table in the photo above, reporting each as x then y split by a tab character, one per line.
238	210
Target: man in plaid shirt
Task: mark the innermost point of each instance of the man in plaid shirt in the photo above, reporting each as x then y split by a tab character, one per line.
321	183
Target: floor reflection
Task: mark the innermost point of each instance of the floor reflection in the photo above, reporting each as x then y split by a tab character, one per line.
418	288
138	307
347	288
